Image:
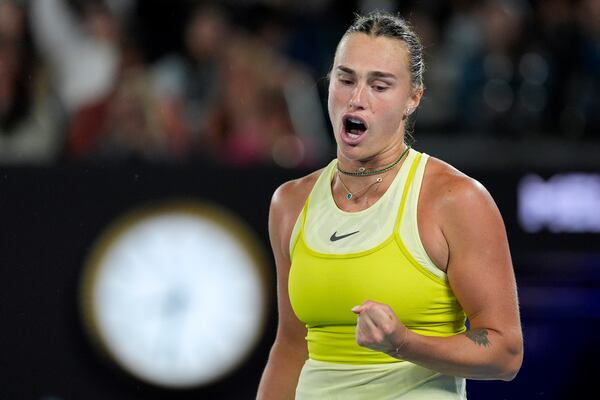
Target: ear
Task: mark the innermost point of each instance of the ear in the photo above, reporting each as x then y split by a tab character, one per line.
413	101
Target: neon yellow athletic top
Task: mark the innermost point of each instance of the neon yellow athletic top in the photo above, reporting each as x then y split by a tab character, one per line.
340	259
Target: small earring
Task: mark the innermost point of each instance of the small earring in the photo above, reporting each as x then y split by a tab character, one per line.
408	112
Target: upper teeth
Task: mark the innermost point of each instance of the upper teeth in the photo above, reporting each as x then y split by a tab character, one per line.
355	121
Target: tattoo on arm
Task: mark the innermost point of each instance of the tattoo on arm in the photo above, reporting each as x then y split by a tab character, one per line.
479	336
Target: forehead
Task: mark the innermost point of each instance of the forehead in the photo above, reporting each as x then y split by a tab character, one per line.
363	53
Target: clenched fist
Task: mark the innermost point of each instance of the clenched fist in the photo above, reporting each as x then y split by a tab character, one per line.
378	328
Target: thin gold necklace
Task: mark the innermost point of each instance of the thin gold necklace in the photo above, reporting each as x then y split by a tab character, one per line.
363	172
357	195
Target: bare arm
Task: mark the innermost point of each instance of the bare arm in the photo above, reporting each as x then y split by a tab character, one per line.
480	273
85	66
289	351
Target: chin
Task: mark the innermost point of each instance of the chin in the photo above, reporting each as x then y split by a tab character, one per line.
353	153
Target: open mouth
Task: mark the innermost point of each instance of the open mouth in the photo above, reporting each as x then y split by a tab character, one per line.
354	126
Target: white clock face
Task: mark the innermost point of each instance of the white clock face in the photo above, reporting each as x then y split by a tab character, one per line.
176	297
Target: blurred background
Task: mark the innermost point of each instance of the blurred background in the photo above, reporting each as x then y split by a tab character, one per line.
110	106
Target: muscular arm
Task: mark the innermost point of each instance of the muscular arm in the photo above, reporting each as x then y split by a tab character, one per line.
479	269
289	351
481	275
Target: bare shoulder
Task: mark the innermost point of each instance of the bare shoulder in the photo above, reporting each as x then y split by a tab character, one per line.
289	198
446	187
455	212
286	205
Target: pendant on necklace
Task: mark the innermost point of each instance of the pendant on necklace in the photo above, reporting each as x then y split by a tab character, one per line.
349	196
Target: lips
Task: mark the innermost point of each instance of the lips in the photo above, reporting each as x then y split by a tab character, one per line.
353	129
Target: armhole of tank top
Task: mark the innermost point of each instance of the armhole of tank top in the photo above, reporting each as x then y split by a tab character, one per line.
409	227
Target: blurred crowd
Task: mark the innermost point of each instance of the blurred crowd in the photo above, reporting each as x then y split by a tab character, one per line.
244	82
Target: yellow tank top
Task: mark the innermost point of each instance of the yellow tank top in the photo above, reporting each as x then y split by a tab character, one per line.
340	259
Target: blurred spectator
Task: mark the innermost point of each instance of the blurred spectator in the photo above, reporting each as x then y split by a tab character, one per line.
30	130
241	89
553	43
441	74
83	52
188	85
105	87
237	96
252	123
296	89
129	123
586	94
511	68
486	95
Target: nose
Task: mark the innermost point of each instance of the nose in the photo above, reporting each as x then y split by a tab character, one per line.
358	100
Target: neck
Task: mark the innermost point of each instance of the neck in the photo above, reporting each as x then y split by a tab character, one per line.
368	167
356	192
374	161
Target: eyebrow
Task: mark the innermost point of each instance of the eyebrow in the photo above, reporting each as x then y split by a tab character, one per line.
373	74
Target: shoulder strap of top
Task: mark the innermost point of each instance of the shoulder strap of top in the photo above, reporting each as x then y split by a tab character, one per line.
409	226
409	180
300	221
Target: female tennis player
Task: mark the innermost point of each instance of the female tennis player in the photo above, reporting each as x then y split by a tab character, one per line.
385	254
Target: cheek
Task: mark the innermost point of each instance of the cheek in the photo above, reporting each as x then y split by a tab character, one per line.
390	119
391	110
335	100
335	94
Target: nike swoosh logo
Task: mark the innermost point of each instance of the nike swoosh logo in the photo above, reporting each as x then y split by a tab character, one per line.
334	237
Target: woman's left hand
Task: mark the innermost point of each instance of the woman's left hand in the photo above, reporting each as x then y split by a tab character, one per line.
378	328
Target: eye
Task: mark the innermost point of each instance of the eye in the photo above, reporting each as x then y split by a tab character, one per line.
380	88
344	81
